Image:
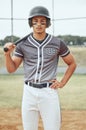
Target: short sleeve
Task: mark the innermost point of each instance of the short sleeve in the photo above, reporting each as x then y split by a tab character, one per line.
18	51
64	50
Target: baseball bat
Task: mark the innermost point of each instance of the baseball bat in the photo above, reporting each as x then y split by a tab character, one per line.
17	42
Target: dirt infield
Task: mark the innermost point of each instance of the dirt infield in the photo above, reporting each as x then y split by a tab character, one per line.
10	119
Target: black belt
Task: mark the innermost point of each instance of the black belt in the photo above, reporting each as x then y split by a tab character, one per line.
38	85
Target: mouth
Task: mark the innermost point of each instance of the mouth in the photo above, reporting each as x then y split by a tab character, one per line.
38	28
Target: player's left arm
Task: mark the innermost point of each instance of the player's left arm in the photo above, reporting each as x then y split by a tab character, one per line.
70	61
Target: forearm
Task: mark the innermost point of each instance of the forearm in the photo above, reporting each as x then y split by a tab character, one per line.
10	65
66	77
71	68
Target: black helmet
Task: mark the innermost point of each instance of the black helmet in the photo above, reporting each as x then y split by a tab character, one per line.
39	11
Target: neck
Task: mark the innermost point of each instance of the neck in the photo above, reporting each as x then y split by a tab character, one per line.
39	36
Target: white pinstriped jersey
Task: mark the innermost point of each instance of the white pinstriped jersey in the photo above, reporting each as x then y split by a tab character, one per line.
41	60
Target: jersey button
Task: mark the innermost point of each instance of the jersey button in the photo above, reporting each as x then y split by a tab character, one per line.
40	55
40	64
38	72
37	80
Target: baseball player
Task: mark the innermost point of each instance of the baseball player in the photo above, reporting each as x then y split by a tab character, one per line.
40	53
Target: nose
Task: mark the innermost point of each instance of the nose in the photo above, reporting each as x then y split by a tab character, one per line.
39	23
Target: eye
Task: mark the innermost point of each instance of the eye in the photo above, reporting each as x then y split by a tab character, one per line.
34	22
43	22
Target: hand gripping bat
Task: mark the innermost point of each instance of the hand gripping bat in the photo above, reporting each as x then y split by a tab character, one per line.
17	42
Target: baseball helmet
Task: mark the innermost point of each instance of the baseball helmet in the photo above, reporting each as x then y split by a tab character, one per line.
39	11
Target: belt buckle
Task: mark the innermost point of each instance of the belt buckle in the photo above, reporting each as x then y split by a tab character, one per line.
39	85
47	84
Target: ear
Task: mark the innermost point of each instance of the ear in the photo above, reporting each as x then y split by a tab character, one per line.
48	23
30	22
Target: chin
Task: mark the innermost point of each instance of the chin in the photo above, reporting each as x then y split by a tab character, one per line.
39	32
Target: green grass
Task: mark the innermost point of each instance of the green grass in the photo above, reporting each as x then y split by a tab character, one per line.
11	90
72	96
79	54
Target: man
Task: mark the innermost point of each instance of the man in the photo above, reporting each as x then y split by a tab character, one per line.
40	53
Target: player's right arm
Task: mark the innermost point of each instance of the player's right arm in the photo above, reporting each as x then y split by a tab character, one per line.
12	62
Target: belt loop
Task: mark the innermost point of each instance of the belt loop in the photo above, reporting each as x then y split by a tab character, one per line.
47	84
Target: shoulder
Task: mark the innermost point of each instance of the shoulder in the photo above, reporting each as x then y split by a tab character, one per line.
55	38
58	40
62	46
22	39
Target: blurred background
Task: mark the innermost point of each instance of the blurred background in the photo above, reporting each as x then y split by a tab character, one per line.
68	17
68	22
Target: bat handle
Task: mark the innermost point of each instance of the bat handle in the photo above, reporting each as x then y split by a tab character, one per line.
5	49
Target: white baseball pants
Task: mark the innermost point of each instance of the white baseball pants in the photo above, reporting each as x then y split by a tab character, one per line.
40	102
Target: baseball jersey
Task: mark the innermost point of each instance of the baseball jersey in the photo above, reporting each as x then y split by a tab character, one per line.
40	61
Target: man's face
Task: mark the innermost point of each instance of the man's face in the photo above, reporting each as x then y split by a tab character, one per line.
39	24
